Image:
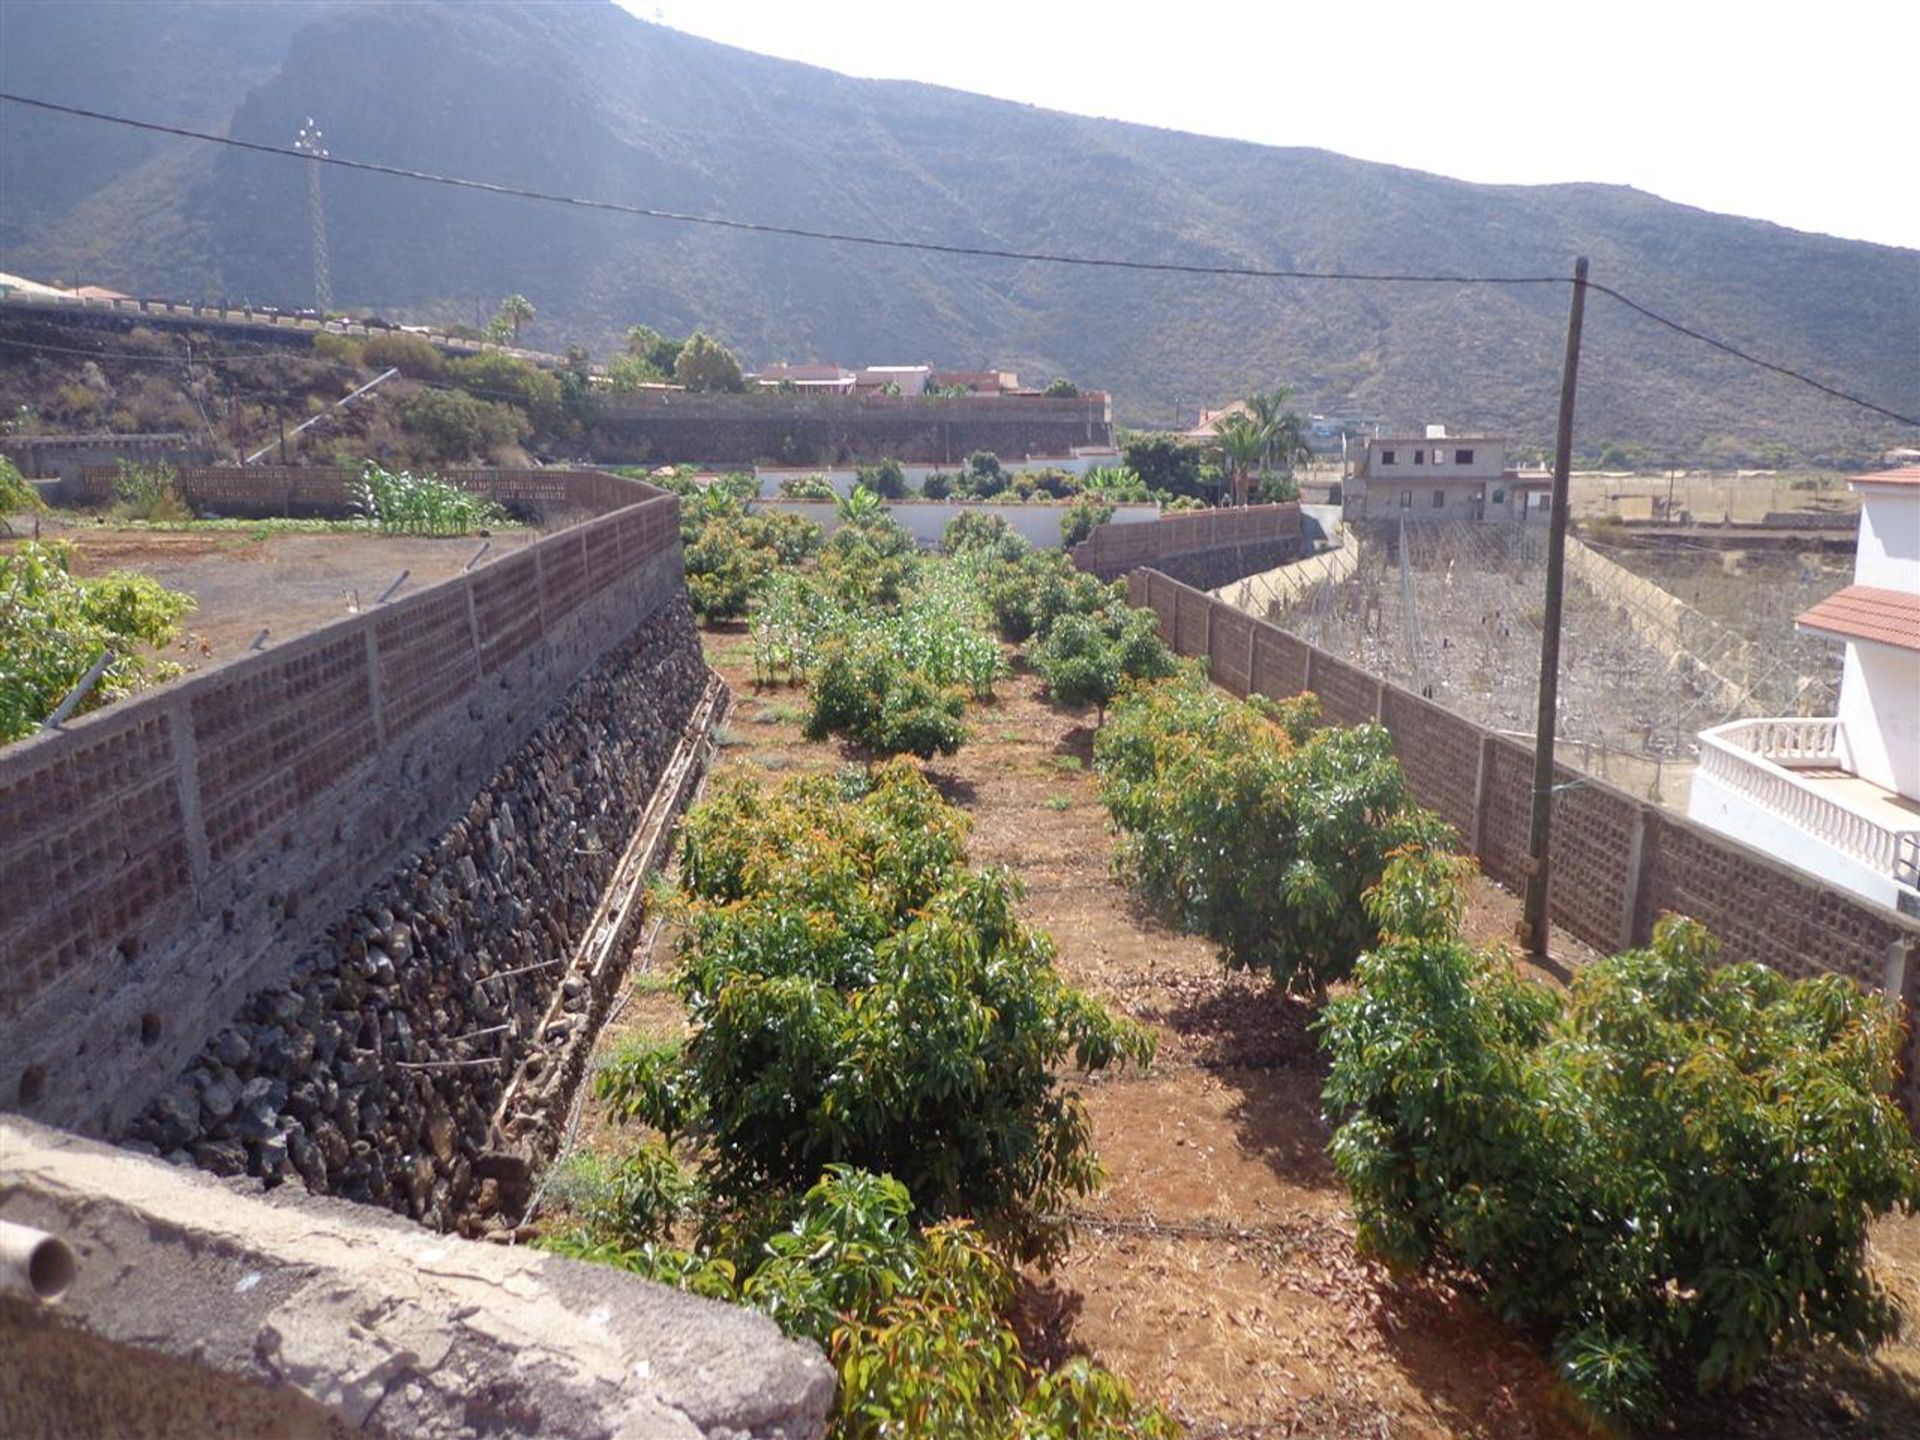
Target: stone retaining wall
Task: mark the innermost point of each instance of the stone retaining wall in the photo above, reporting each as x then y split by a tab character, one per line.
165	857
373	1069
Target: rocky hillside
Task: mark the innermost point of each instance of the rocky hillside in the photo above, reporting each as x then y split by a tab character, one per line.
585	99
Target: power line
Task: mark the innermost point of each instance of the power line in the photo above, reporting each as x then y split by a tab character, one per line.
1739	354
794	231
942	248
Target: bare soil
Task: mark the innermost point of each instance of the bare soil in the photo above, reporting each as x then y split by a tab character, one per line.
1217	1269
285	583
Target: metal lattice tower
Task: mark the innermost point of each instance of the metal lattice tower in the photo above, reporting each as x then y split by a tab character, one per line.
308	143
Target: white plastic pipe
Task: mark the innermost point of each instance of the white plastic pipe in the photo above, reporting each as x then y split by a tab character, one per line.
34	1263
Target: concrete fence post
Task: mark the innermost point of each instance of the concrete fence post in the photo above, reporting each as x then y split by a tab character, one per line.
1482	785
1206	632
1380	701
1638	864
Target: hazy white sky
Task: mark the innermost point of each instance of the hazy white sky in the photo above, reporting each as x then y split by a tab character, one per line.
1803	114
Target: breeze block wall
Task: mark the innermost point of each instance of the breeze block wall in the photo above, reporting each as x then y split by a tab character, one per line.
1202	548
1619	862
167	857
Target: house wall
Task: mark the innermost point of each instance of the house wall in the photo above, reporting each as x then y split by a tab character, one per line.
1880	705
1888	554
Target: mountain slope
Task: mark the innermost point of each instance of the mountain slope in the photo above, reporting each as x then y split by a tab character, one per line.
581	98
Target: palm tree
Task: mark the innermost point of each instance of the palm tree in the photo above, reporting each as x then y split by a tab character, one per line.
1242	442
514	311
1284	429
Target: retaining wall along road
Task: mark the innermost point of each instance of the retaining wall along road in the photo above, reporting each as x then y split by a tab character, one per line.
1619	862
164	858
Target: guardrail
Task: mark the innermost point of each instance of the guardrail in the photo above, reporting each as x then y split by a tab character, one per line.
1748	756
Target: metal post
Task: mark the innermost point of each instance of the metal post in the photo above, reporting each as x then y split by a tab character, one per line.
1534	920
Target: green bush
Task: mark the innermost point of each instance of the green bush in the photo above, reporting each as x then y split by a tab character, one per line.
808	487
864	691
722	569
414	356
150	493
459	427
937	486
341	349
885	479
54	626
1244	822
982	536
1083	517
910	1318
17	494
1668	1173
494	376
857	994
1086	659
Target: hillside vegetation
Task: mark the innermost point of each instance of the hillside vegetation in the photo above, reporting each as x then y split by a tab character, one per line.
585	99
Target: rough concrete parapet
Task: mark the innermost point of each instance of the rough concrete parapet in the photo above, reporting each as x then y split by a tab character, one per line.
328	1317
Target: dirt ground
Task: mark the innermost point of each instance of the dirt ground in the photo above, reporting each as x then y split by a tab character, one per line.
285	583
1217	1269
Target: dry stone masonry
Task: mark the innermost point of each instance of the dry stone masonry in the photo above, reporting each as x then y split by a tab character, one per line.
373	1070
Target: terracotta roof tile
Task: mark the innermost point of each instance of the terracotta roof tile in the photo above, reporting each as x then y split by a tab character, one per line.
1866	612
1904	475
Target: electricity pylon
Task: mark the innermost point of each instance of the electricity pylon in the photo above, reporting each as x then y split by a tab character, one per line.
308	143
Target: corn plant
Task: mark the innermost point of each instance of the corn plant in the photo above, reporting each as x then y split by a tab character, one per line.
402	503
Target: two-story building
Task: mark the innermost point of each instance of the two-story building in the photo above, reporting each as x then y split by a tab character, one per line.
1840	797
1437	476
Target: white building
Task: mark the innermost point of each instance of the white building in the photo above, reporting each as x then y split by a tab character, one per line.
1437	476
1840	798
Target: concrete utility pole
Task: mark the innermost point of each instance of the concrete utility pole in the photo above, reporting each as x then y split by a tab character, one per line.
308	143
1534	920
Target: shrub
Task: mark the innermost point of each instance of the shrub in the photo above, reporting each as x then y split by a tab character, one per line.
1244	822
1086	659
457	426
53	627
17	494
865	692
1669	1173
341	349
414	356
722	568
1061	389
886	479
808	487
859	995
1083	517
149	492
937	486
517	382
402	503
910	1318
77	403
981	536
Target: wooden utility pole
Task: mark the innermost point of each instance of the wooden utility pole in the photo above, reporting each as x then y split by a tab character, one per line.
1534	919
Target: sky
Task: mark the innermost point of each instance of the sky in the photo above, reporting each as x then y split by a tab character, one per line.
1805	115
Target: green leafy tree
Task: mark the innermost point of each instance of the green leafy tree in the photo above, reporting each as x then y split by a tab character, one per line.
859	995
1062	389
1084	516
886	479
1086	659
54	626
705	364
456	426
17	496
1250	824
1670	1172
1168	464
656	351
514	311
629	372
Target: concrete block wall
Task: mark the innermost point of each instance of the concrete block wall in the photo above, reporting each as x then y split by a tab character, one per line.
1619	862
160	856
1261	530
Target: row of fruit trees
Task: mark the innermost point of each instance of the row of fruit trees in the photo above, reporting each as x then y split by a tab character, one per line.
1664	1172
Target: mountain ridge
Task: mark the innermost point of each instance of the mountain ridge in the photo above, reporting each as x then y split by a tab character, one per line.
586	99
